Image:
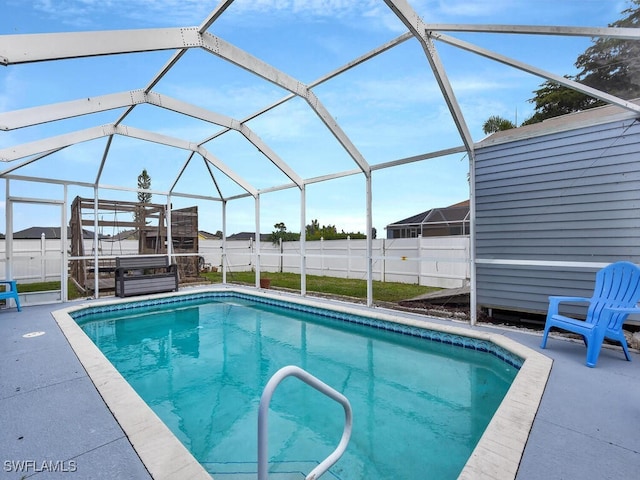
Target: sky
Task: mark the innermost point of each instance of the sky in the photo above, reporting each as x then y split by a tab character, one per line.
390	107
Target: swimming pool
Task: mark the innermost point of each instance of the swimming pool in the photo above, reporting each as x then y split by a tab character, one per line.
388	357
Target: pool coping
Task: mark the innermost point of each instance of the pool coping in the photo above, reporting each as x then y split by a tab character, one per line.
497	454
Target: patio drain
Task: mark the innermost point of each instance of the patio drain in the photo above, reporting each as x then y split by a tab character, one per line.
33	334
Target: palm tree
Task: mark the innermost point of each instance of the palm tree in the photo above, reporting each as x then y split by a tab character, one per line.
496	124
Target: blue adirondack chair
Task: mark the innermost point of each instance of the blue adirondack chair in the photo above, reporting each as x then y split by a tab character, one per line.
615	296
11	291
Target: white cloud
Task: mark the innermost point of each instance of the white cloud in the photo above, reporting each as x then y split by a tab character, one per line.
322	8
88	13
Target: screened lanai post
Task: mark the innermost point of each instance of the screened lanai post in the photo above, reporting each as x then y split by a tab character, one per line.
96	276
369	241
257	241
223	259
169	232
473	302
303	238
64	261
8	247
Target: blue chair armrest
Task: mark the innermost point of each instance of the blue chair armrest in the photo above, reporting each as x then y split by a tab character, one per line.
554	302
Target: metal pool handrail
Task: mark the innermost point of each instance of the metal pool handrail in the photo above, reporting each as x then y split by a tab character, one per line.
263	410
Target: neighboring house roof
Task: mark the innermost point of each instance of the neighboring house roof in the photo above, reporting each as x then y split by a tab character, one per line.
123	235
455	213
264	237
35	233
207	236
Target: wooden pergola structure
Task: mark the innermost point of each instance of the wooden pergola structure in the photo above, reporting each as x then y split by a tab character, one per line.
147	222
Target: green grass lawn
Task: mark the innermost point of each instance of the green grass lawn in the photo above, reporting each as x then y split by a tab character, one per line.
45	286
348	287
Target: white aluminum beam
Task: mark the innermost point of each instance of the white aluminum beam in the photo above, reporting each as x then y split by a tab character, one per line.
213	178
16	49
52	143
224	121
154	137
213	16
244	60
184	167
74	108
54	181
61	141
251	136
209	157
418	158
337	132
324	78
363	58
186	145
414	23
603	32
537	71
104	159
59	111
27	162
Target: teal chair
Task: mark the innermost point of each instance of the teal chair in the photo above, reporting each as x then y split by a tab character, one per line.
615	296
10	292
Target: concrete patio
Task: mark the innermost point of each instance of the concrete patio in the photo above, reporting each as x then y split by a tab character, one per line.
53	418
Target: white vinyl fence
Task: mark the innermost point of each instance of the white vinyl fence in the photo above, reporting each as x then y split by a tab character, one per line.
430	261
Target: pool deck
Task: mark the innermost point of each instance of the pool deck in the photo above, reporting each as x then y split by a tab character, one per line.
53	418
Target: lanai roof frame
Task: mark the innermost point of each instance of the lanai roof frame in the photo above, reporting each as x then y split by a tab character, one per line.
15	49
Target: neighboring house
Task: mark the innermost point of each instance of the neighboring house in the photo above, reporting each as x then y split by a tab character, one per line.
264	237
35	233
204	235
437	222
120	236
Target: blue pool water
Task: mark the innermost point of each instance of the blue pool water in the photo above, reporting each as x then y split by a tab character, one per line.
419	406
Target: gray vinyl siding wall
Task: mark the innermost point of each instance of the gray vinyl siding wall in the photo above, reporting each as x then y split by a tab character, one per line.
570	196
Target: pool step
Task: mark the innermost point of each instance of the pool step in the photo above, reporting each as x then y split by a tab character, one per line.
249	470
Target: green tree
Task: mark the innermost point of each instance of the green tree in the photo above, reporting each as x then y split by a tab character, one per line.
144	198
144	182
496	124
552	100
281	233
611	65
329	232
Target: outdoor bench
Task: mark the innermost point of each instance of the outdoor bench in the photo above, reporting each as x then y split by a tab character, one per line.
140	275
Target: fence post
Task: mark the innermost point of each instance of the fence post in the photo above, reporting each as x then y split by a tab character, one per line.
348	256
383	263
43	261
